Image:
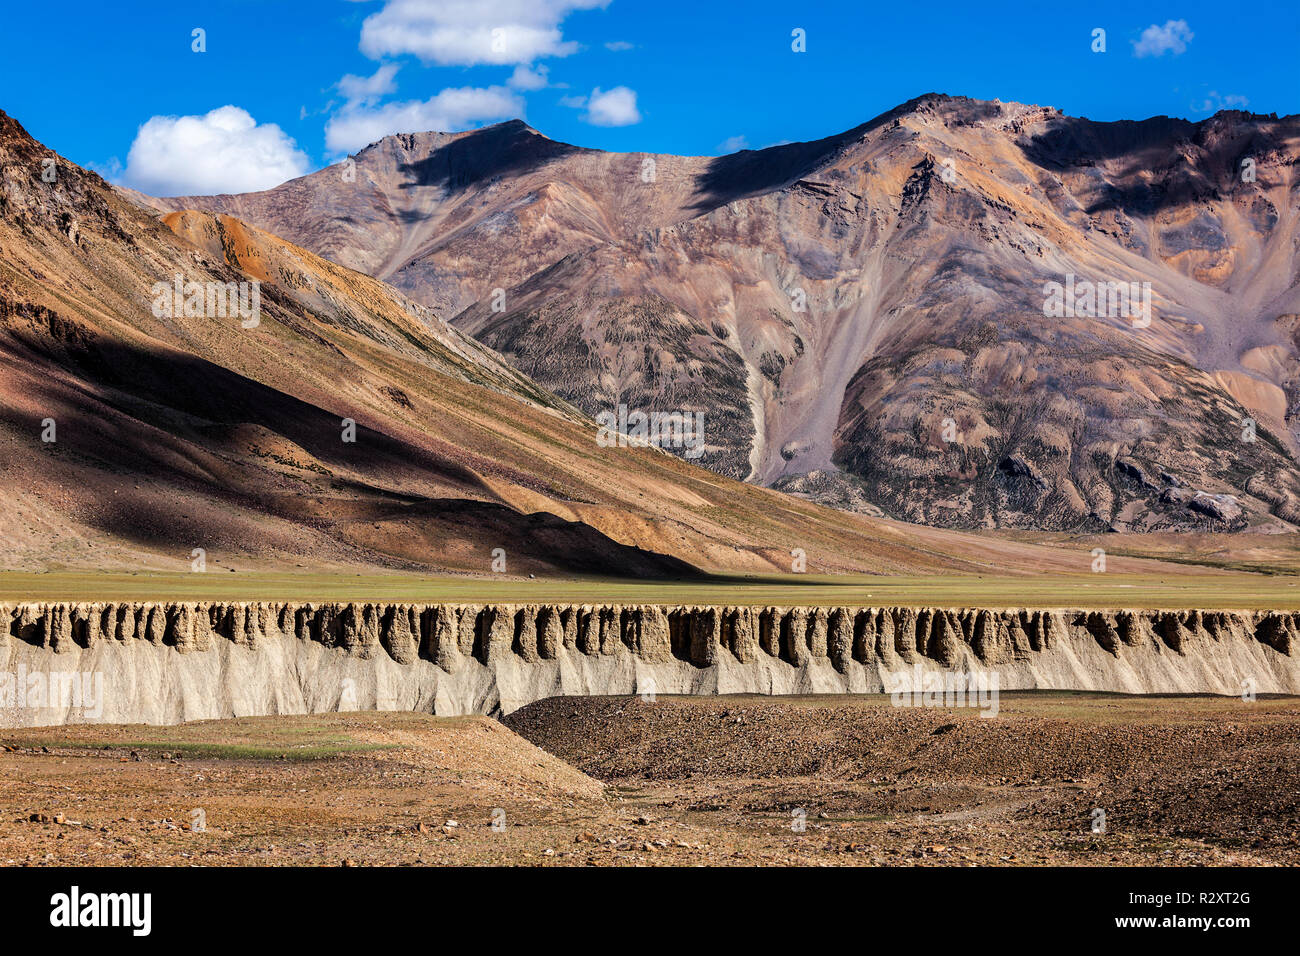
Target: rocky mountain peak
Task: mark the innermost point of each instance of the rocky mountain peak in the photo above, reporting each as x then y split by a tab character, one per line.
869	306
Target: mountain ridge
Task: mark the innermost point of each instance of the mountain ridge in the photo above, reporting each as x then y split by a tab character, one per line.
924	235
346	427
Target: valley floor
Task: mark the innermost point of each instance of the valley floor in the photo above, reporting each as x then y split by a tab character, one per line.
1178	587
678	781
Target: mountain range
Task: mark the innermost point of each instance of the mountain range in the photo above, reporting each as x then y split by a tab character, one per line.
186	391
879	320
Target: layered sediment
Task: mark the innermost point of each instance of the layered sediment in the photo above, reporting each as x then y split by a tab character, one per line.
170	662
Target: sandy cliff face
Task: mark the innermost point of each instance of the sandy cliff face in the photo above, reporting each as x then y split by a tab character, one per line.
164	663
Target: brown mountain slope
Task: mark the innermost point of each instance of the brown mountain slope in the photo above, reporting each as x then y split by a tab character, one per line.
841	308
175	432
449	217
921	363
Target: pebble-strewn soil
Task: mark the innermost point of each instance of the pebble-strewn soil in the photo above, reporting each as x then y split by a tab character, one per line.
1180	779
714	781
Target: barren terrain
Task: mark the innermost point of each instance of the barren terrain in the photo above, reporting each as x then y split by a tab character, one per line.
714	781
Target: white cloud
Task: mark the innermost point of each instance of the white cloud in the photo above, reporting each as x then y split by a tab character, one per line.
451	110
524	78
618	46
616	107
224	151
1173	38
368	89
733	144
1213	102
469	32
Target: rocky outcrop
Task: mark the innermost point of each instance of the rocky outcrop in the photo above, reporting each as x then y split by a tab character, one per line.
163	663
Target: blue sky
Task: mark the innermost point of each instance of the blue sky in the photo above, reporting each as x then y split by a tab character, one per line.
105	84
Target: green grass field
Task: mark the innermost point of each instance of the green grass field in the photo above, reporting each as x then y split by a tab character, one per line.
283	737
1194	589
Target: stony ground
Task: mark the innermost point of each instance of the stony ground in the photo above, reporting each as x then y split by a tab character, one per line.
1184	780
715	781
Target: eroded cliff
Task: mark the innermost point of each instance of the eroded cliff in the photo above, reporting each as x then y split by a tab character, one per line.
169	662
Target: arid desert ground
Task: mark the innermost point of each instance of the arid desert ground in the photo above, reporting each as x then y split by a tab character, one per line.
1055	778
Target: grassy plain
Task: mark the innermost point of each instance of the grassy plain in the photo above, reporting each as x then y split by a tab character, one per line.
1193	588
